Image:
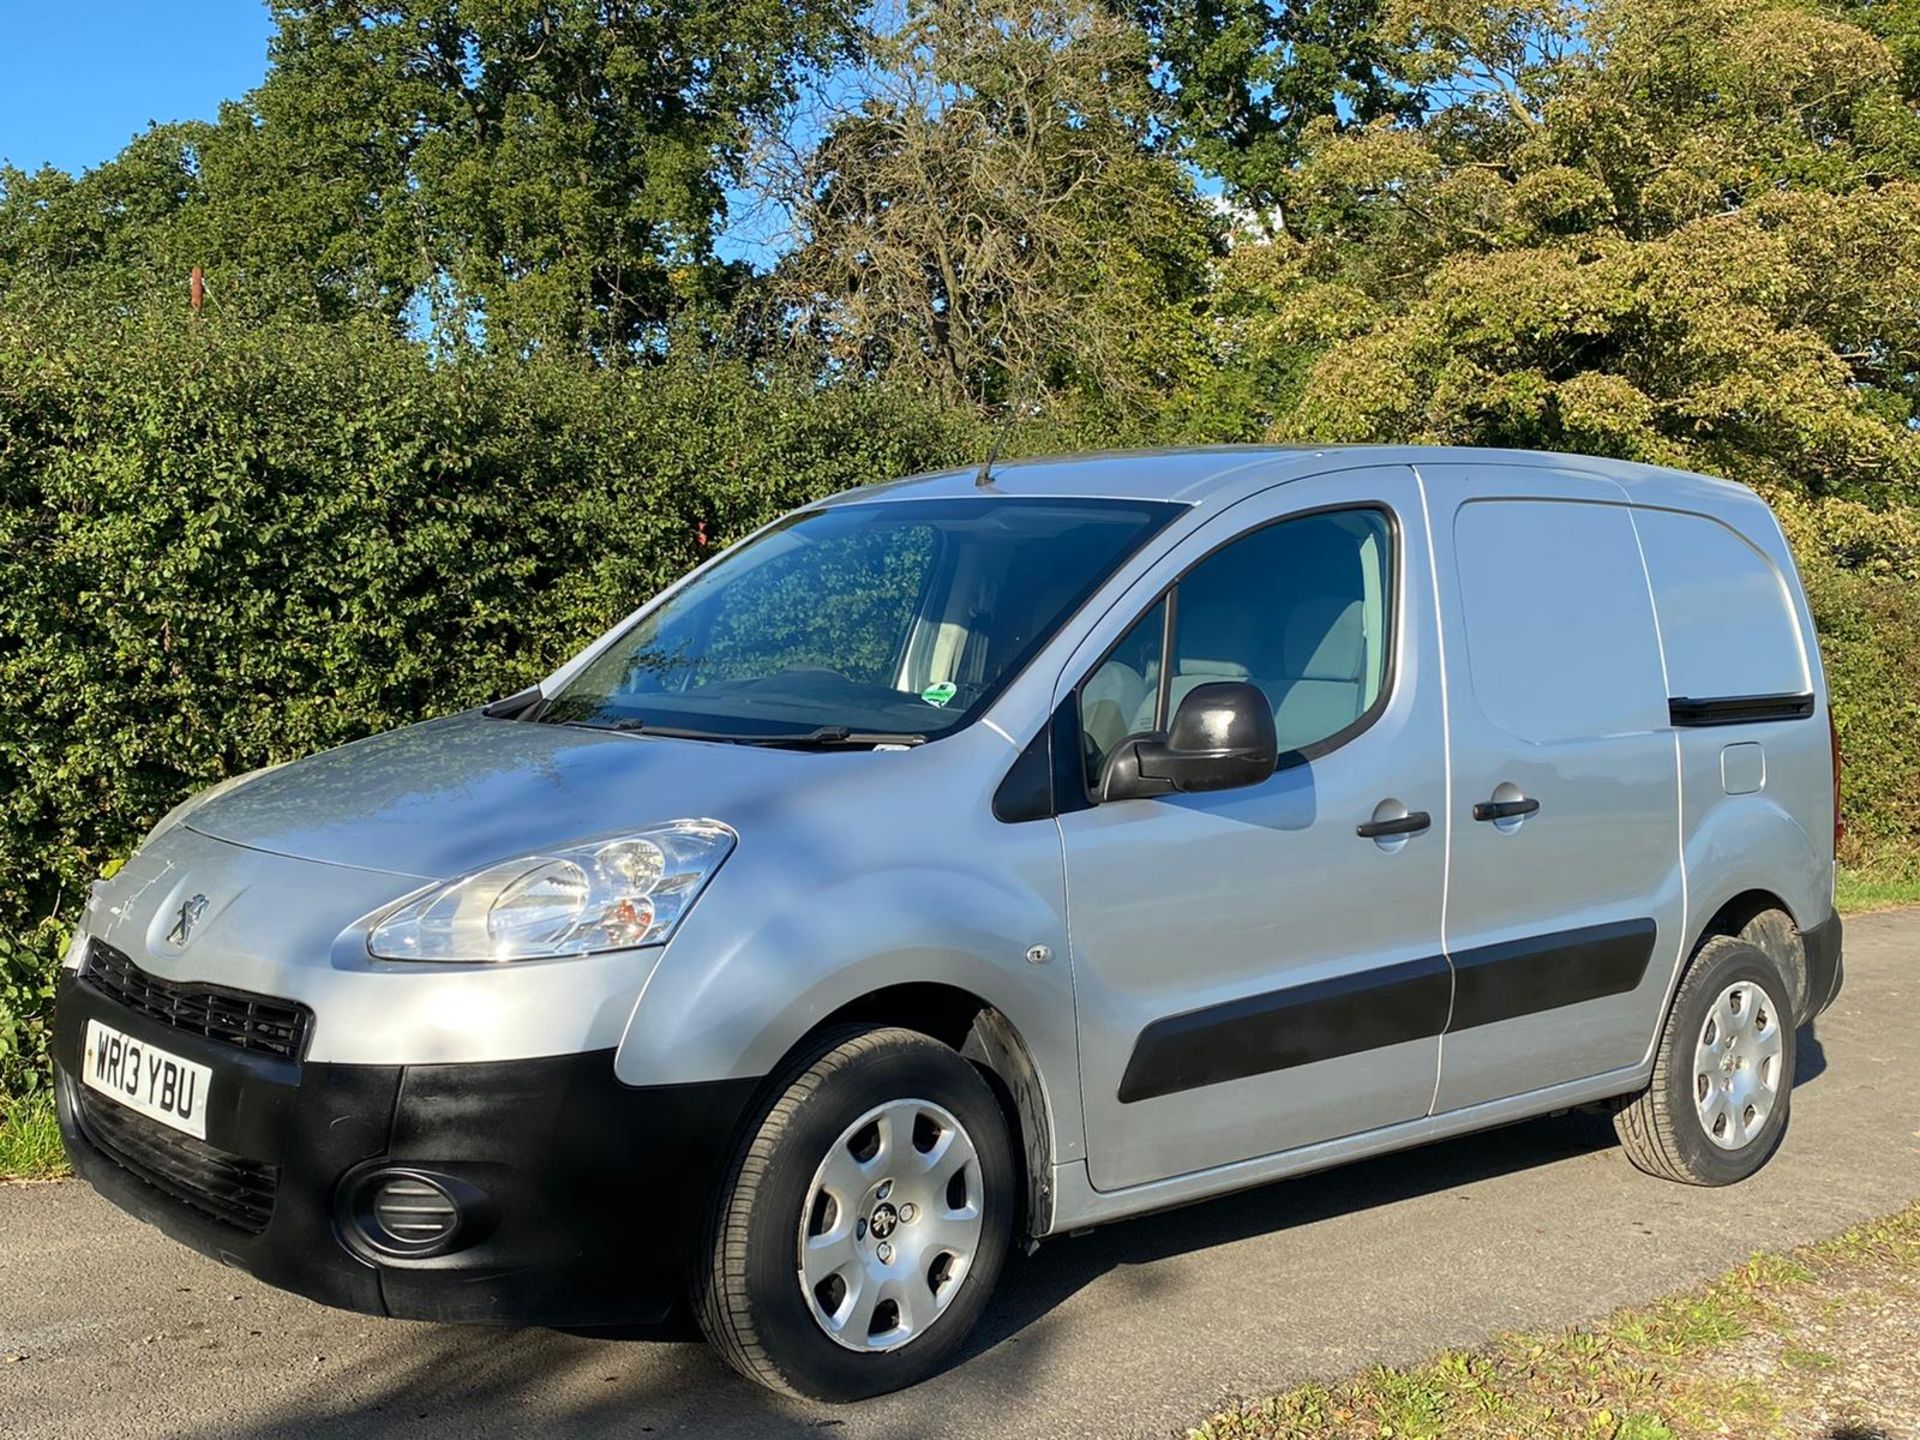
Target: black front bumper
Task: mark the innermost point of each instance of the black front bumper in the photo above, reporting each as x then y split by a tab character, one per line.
591	1191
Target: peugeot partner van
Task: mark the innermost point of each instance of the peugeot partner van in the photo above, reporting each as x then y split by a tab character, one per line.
976	858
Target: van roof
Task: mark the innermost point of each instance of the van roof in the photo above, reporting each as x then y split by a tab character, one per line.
1221	474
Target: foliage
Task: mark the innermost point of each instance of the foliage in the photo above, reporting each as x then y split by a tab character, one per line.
30	1147
26	995
226	546
1680	239
1764	344
1243	81
540	173
992	220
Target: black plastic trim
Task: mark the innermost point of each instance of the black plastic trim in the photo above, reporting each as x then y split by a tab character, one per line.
553	1161
1821	945
1414	822
361	1231
249	1021
1545	972
1738	709
1281	1029
1025	792
1412	1000
1046	780
1505	809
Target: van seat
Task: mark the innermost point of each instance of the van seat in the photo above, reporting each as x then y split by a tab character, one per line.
1325	658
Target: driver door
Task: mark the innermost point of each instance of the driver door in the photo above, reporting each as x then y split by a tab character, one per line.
1251	972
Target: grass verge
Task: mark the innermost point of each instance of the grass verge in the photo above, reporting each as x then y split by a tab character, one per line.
1857	892
30	1140
1818	1343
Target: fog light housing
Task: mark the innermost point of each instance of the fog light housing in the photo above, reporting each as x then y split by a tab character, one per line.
408	1214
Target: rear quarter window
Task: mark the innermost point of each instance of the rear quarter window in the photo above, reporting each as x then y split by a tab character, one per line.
1560	635
1726	613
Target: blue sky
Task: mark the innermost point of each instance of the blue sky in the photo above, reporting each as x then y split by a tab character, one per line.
80	78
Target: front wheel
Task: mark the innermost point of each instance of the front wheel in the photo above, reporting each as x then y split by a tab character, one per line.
1717	1107
861	1227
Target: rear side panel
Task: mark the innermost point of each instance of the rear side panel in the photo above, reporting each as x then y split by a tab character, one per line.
1749	706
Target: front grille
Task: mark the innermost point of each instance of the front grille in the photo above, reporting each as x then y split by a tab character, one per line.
233	1191
252	1022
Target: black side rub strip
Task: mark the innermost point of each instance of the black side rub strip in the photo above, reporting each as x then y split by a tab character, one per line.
1284	1028
1544	972
1326	1019
1739	709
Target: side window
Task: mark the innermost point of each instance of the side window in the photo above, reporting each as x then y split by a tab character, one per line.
1126	684
1726	618
1559	629
1299	608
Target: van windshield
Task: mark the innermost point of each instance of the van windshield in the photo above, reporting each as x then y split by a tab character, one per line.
886	619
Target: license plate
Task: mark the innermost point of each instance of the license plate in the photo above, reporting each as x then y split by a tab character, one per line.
146	1078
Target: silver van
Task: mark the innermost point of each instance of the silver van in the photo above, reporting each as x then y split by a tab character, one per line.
972	859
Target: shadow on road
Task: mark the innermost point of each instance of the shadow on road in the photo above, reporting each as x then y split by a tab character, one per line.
1809	1059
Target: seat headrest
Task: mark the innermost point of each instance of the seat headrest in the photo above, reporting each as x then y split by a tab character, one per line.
1326	640
1226	629
1214	669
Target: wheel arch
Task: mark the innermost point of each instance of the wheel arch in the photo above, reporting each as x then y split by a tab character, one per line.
982	1033
1743	917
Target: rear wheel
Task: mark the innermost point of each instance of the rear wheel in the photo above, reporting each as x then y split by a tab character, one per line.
1723	1077
863	1224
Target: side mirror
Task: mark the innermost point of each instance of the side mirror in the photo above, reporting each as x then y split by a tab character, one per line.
1222	738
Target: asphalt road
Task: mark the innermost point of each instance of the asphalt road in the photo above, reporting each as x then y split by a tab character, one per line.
1137	1329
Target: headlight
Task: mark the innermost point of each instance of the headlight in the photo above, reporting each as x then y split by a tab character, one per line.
608	894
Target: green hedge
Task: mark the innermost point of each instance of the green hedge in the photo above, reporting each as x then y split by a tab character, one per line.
223	547
1861	567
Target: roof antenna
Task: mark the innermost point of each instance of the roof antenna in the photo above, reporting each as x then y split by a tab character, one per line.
983	477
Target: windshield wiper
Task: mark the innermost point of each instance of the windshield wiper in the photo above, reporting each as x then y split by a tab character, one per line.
521	705
825	737
828	735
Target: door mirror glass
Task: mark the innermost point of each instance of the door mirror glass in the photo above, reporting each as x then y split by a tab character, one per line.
1222	738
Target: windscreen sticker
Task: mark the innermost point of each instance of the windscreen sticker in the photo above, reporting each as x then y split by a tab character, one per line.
941	693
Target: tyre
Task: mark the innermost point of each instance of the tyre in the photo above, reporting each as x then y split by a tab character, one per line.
860	1229
1774	933
1723	1076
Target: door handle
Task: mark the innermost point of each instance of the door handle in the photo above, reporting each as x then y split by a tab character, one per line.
1504	809
1411	823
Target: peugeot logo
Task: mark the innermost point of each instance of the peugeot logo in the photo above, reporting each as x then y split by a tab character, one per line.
188	916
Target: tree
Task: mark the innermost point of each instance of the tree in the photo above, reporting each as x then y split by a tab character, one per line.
1242	81
107	230
990	217
1674	230
543	173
